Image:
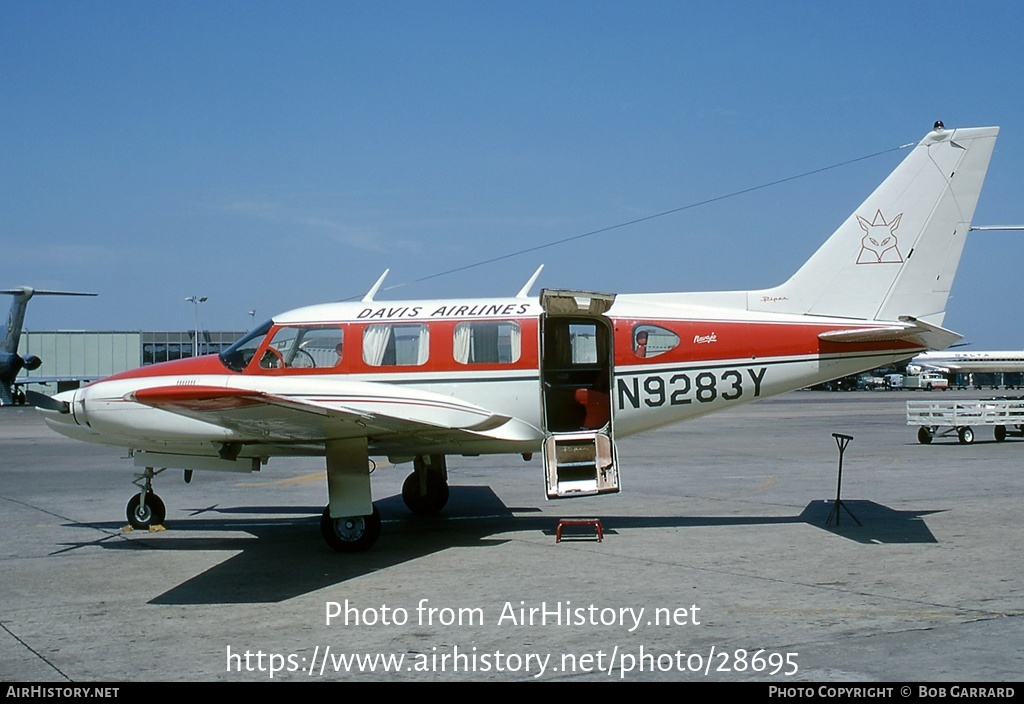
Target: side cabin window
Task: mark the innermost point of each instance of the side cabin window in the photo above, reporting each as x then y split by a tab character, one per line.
651	341
487	343
388	345
304	347
570	343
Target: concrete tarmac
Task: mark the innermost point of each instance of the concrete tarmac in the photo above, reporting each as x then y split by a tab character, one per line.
717	563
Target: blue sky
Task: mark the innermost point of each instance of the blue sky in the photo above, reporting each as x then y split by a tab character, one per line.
273	155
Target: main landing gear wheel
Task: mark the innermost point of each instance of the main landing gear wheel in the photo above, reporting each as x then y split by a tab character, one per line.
351	533
432	501
965	435
924	436
142	517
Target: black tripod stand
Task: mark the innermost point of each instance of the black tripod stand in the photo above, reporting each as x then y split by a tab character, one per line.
841	441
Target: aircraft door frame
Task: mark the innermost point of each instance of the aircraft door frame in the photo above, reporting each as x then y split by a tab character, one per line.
577	374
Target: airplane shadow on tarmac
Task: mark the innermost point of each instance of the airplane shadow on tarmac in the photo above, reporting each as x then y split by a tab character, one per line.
283	558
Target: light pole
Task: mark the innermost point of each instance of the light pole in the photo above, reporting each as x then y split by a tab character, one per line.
196	300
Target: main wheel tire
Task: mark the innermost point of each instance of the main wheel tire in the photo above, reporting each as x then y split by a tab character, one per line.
1000	433
435	499
966	435
924	436
142	517
351	533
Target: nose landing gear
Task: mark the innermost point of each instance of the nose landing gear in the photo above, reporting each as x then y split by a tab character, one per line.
145	509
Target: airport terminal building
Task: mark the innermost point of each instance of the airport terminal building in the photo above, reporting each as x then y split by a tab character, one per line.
87	355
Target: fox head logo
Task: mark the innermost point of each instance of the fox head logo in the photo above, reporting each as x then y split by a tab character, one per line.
879	244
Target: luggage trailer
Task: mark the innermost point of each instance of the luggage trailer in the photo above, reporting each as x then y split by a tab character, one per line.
944	418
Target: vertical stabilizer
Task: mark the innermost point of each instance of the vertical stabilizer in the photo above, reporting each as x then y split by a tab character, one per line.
16	314
11	363
15	317
897	254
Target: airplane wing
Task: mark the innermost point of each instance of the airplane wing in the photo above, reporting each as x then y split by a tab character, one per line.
25	380
943	368
339	411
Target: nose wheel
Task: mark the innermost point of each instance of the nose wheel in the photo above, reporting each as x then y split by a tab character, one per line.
145	509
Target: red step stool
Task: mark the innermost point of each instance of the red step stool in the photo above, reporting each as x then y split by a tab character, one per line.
595	522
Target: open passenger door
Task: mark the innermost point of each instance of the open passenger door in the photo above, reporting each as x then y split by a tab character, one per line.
576	369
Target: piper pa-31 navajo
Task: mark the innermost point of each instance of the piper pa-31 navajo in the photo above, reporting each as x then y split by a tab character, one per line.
564	375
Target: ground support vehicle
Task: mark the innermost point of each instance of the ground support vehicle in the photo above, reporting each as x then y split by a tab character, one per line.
942	418
926	381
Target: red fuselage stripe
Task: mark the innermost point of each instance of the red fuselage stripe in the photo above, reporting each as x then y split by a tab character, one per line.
700	341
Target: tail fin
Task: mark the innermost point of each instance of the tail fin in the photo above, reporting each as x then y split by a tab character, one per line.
11	363
896	255
16	315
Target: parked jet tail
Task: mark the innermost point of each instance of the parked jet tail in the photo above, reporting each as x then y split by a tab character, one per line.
896	255
11	363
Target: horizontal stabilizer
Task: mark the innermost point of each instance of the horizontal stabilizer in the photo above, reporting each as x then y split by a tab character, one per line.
28	291
911	329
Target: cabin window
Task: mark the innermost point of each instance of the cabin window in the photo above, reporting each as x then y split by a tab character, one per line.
583	342
487	343
388	345
304	347
651	341
572	343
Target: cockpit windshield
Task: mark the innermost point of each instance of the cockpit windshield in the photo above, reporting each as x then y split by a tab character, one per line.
237	356
304	347
287	347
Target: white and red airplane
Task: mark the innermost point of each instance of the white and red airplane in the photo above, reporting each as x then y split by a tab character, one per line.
564	375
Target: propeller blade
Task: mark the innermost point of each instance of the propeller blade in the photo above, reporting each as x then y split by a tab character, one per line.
43	401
